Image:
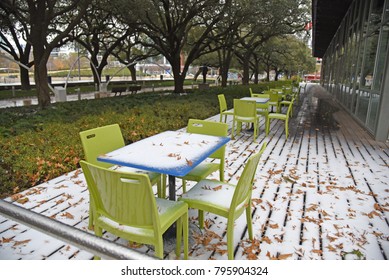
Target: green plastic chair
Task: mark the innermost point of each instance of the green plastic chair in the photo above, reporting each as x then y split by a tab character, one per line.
244	112
125	206
280	116
204	169
226	200
275	98
290	94
262	109
223	108
101	140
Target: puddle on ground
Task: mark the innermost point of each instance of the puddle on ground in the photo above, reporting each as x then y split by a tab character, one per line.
322	113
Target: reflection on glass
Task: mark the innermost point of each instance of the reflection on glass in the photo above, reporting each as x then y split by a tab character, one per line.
369	59
362	105
378	77
374	105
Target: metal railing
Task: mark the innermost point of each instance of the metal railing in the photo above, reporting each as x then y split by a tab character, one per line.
81	239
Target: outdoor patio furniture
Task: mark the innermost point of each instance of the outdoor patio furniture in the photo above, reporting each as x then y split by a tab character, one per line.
101	140
125	206
173	153
245	111
276	96
280	116
226	200
289	95
204	169
223	108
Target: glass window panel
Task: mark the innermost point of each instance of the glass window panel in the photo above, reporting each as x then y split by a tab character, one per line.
386	12
369	60
376	14
381	57
362	104
374	106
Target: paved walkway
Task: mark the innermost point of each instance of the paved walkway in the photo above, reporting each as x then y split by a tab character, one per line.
18	102
323	193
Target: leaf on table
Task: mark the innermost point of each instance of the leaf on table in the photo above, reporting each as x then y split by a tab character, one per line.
217	188
189	162
186	142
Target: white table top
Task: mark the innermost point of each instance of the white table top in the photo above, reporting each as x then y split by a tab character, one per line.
170	152
256	99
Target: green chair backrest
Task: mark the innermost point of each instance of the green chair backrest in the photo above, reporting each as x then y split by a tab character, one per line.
244	187
290	107
209	128
274	95
99	141
246	109
222	102
126	198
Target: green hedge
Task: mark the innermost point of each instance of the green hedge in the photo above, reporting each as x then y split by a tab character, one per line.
38	145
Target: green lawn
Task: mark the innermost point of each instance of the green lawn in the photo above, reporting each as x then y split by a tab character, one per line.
38	145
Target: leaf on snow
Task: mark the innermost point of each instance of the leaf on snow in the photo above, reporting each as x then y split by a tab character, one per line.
22	200
189	162
266	239
7	240
22	242
67	215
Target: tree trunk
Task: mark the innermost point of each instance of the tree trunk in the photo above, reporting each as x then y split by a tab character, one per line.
225	61
41	56
132	71
24	79
41	83
246	71
178	76
268	74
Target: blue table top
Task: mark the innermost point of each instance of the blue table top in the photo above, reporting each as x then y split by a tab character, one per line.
170	152
262	100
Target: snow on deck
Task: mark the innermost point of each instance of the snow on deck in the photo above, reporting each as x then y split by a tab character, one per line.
321	194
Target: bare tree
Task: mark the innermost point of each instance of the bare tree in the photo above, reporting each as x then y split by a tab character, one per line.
175	28
46	28
99	33
130	50
13	39
264	20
